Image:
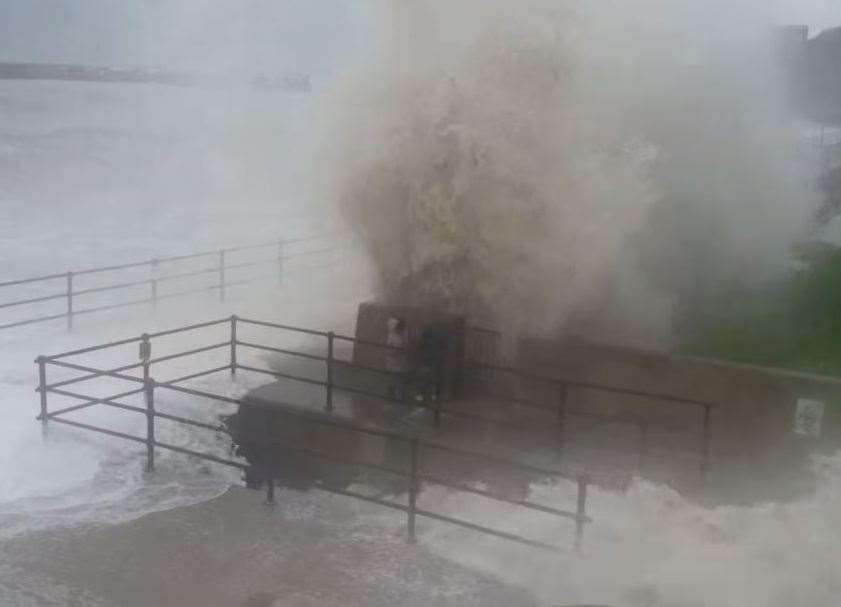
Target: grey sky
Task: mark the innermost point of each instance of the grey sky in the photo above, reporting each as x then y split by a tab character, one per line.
307	35
290	34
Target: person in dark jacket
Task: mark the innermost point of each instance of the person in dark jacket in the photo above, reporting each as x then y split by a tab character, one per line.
434	345
396	357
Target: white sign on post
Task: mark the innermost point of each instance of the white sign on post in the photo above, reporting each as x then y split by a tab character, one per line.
808	417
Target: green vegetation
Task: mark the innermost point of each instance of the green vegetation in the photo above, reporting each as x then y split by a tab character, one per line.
794	324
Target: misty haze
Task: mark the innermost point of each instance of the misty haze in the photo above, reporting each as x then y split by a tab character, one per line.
416	302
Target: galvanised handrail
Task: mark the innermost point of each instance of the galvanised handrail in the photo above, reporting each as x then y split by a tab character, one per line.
561	384
222	270
414	475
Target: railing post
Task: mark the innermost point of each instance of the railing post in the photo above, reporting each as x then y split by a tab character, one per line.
413	488
145	355
330	339
149	390
42	388
149	394
280	263
69	302
222	275
581	511
266	456
705	447
234	344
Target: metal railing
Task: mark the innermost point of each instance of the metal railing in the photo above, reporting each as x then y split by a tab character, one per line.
561	388
149	290
414	474
482	356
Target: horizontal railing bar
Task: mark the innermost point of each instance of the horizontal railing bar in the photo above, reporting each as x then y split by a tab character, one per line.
281	351
435	480
189	422
23	281
187	274
31	321
234	283
249	264
482	529
112	344
306	380
193	327
334	422
150	262
124	266
61	420
425	477
201	393
366	498
499	460
160	359
101	401
353	365
177	380
553	409
74	380
123	285
523	427
124	304
550	380
368	343
525	402
640	393
524	503
82	378
93	371
273	325
52	387
583	384
207	456
187	256
91	402
604	419
649	453
22	302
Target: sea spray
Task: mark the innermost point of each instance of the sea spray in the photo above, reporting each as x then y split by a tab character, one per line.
551	166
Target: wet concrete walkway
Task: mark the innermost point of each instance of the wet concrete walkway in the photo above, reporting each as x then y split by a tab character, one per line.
310	549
